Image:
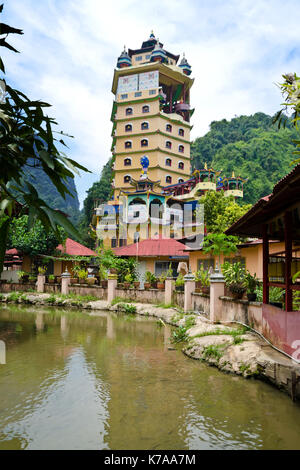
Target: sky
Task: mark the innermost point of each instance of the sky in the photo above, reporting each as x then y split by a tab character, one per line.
238	50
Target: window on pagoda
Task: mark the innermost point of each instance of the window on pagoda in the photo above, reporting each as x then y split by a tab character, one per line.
128	128
128	144
127	162
136	237
181	132
145	109
127	178
181	166
180	180
168	162
169	179
168	144
145	125
180	148
144	143
128	111
168	128
113	242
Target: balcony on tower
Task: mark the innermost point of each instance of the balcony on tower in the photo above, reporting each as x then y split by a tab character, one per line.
233	186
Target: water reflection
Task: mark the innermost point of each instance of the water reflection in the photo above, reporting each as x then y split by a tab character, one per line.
105	381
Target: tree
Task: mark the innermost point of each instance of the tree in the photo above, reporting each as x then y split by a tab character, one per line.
217	243
290	90
27	141
33	241
220	211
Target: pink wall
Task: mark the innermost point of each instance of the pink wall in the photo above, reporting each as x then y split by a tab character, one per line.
282	329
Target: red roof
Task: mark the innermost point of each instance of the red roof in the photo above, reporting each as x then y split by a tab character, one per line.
12	251
153	247
75	249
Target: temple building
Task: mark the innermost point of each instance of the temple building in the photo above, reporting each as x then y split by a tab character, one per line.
154	191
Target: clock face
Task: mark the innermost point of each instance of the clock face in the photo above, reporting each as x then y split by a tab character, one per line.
148	80
127	84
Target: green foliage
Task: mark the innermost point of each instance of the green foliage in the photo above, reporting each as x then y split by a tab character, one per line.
82	274
252	147
179	335
290	90
275	294
296	294
220	211
149	277
33	241
180	280
27	141
100	191
108	260
203	276
234	275
217	243
251	282
214	351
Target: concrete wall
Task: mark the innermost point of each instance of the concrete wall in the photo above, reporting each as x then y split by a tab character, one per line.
12	287
151	296
10	276
201	303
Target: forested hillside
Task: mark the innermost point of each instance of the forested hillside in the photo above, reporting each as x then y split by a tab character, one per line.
49	193
251	146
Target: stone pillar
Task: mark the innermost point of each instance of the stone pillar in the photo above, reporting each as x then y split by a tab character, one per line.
65	281
217	289
41	279
111	287
169	287
189	288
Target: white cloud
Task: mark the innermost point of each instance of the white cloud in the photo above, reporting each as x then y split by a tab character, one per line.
237	49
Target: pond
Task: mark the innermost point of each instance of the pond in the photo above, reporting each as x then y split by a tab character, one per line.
107	381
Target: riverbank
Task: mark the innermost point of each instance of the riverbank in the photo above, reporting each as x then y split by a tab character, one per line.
231	348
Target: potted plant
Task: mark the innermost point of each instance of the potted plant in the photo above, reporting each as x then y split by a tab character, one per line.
32	278
154	282
51	278
91	280
251	282
136	284
42	270
148	279
179	283
128	280
198	283
234	274
23	276
75	269
161	279
205	282
82	275
103	276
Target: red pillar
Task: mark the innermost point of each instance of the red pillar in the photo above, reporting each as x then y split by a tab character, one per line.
288	261
265	265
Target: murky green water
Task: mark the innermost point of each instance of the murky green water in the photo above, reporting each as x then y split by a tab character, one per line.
72	381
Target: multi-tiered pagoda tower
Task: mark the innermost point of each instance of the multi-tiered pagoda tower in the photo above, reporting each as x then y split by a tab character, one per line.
151	116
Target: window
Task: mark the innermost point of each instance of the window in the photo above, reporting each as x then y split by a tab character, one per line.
145	125
181	148
168	162
168	144
169	179
168	128
144	143
206	264
136	214
152	92
124	96
180	165
128	144
128	127
236	259
145	109
138	93
139	58
180	180
181	132
127	162
113	242
128	111
148	56
127	178
122	242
